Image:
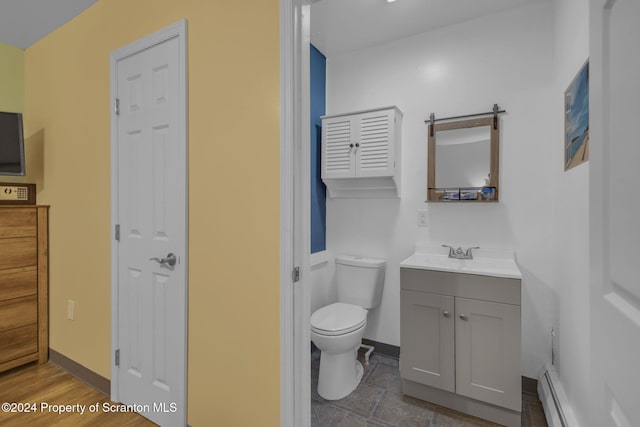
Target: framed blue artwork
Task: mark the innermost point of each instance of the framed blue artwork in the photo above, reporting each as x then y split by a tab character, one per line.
576	119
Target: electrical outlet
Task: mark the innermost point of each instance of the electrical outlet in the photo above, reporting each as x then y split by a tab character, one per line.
71	305
423	219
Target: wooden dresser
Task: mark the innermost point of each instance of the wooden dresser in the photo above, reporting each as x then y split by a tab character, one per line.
24	281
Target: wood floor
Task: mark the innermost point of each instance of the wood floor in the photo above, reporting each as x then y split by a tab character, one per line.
49	385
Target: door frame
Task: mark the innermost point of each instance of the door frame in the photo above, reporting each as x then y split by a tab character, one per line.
179	30
295	216
598	181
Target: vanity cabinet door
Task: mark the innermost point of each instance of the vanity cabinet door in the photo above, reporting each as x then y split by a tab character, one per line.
427	339
488	352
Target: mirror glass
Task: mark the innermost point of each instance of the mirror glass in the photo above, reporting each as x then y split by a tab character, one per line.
463	159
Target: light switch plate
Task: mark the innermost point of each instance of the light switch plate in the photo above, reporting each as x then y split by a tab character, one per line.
423	218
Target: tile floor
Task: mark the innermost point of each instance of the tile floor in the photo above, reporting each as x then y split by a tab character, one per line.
378	401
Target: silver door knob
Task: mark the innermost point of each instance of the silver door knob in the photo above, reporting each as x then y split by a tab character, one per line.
464	317
170	260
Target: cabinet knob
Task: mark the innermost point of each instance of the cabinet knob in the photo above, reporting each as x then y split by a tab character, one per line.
357	144
446	313
350	145
464	317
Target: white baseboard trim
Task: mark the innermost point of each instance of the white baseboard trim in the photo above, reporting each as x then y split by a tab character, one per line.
319	258
556	405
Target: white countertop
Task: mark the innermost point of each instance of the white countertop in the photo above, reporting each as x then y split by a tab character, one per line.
485	262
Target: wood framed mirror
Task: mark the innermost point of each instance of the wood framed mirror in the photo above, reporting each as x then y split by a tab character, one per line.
463	161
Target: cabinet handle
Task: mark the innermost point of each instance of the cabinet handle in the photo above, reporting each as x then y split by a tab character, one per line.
357	144
350	145
446	313
464	317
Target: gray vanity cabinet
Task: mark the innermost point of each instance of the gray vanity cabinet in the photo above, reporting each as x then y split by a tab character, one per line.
460	342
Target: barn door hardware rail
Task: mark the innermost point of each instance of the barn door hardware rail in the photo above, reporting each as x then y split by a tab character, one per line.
496	110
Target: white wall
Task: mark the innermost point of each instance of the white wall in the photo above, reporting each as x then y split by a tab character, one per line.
504	58
571	220
320	277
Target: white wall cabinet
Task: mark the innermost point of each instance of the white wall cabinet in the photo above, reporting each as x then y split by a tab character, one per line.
460	342
361	153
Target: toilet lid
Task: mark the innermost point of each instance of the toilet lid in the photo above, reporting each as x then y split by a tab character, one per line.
338	318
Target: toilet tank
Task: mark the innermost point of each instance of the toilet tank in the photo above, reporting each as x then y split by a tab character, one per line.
360	280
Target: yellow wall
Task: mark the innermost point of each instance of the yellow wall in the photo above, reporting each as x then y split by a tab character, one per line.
233	192
11	78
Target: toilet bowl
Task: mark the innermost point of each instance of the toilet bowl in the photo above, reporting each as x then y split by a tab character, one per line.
337	329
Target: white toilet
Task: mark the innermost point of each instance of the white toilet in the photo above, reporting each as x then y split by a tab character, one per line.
337	329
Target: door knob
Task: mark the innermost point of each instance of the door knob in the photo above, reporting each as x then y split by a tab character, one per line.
170	260
464	317
445	313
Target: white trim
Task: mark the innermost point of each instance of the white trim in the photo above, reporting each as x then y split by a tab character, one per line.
599	107
319	258
557	409
302	300
179	30
295	369
287	374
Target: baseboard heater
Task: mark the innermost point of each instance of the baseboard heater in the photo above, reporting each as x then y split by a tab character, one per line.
553	400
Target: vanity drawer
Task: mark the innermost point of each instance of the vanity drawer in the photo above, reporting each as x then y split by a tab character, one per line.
18	222
18	342
18	252
18	312
496	289
18	282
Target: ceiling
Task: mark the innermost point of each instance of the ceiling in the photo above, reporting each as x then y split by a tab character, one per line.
337	26
24	22
342	26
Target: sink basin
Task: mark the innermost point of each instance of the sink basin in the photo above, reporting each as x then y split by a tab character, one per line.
485	262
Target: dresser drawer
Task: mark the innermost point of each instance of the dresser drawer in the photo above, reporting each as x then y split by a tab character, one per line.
18	342
18	252
18	312
18	222
18	282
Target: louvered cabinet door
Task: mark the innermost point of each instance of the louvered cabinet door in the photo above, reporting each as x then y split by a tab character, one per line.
338	147
374	152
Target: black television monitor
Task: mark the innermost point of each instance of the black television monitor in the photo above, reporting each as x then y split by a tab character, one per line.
11	144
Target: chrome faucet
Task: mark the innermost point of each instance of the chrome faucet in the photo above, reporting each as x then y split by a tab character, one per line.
459	253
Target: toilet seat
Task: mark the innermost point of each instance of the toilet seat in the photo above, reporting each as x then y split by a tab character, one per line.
338	319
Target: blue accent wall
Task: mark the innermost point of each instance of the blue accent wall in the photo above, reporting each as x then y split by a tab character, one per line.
318	87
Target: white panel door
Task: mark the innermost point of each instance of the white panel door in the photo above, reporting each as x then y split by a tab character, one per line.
152	217
488	354
615	212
